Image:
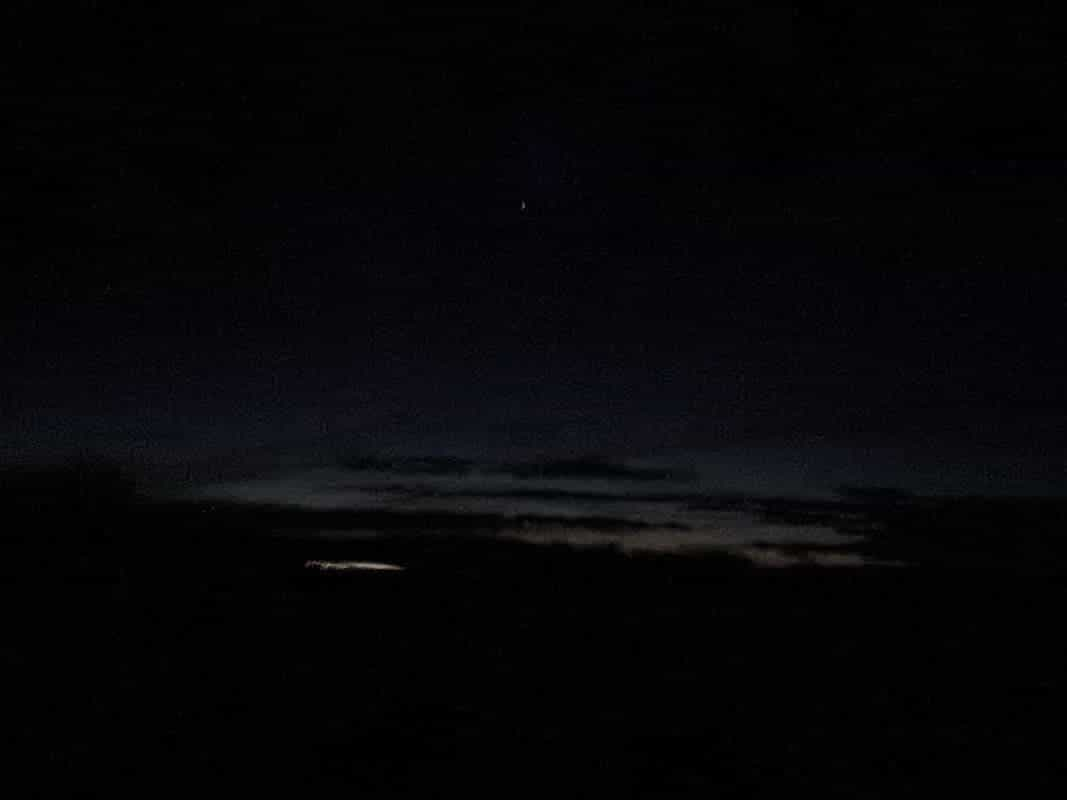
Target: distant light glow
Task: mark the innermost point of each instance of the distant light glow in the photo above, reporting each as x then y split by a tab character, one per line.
346	566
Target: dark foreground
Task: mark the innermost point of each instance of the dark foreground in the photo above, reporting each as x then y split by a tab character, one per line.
210	657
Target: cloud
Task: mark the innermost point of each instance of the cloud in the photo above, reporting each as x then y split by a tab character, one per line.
566	468
426	465
767	533
781	558
591	468
752	541
351	566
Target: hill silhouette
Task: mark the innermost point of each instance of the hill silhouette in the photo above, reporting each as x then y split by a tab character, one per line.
186	639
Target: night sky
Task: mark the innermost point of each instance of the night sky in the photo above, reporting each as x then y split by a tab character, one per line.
250	238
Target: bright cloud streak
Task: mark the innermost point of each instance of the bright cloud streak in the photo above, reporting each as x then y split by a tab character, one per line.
346	566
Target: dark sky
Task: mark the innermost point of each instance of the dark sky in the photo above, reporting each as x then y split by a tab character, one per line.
252	232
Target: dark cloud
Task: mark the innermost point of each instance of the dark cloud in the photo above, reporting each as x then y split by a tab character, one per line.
593	469
427	465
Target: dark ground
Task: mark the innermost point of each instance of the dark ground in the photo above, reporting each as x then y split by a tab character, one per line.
164	647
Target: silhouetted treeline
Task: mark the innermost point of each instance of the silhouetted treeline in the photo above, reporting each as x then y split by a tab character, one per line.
81	485
65	519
